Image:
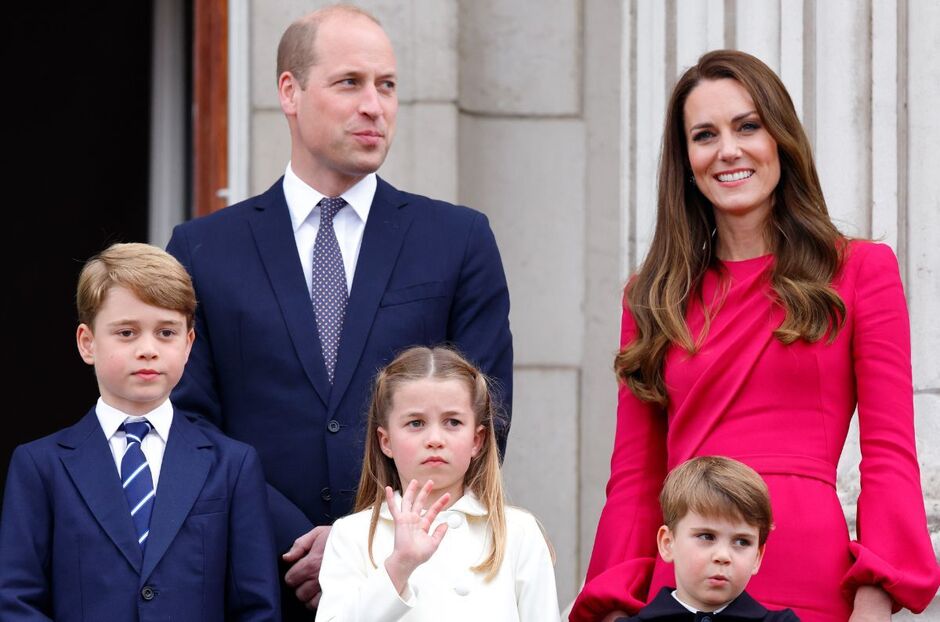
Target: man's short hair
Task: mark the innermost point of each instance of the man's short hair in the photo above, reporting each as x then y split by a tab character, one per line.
715	486
295	52
150	273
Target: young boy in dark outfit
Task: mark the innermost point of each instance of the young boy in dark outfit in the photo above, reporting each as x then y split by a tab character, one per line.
134	513
717	518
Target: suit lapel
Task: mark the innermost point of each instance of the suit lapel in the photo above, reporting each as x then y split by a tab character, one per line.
381	241
271	226
92	469
186	463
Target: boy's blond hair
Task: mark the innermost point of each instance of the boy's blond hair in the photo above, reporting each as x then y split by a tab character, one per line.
716	486
150	273
482	477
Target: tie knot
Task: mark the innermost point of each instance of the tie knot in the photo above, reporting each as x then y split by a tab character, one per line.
136	430
329	206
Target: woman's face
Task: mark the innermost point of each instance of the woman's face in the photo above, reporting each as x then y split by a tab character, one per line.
733	158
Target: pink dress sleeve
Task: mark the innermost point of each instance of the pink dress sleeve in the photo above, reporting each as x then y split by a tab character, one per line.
621	565
893	549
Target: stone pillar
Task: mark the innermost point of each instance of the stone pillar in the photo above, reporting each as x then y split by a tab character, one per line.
522	161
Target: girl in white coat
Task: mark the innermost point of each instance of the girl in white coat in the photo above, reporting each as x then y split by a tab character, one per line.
445	546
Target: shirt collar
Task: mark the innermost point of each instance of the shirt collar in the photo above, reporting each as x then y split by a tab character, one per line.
468	505
110	418
693	609
302	198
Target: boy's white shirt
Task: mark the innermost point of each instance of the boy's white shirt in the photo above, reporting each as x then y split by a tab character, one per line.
693	609
443	588
153	445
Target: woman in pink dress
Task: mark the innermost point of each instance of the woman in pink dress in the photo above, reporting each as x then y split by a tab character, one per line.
752	330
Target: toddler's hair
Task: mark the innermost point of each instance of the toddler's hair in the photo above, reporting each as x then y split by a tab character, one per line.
717	486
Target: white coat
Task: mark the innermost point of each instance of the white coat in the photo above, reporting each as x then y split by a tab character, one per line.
443	588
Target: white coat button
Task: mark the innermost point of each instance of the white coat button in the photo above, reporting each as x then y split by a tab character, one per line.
461	589
455	520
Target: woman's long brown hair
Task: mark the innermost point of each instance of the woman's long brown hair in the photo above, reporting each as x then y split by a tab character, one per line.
483	477
807	247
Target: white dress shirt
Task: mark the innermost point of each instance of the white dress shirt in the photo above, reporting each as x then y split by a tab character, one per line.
349	224
444	587
153	445
675	595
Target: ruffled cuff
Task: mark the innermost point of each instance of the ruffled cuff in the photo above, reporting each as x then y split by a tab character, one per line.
624	586
913	591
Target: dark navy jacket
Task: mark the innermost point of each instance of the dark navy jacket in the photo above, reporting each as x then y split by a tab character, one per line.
68	548
428	272
665	608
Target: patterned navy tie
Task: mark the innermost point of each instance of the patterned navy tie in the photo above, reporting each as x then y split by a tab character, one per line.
135	475
328	286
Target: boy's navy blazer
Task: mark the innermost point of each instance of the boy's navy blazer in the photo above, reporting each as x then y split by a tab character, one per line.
427	272
665	608
68	549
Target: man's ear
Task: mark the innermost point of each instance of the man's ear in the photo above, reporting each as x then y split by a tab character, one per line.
287	88
85	339
664	541
384	443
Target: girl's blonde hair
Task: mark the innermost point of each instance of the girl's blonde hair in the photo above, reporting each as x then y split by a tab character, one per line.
482	477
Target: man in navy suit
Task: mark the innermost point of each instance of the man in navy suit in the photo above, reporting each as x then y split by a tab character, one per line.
135	512
283	360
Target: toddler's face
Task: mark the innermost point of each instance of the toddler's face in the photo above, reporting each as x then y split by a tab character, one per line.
432	434
714	558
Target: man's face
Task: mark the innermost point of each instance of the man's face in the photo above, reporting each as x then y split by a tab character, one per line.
343	122
714	558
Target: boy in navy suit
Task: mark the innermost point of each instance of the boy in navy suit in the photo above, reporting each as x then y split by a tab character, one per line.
717	518
134	513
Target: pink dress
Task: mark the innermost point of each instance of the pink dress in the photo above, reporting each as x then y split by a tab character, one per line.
785	411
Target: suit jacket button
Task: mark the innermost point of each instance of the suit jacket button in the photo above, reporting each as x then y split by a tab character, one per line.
325	494
147	593
333	426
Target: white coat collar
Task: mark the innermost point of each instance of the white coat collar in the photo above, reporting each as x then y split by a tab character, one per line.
468	505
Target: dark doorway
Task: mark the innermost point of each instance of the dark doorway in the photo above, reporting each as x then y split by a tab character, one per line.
77	139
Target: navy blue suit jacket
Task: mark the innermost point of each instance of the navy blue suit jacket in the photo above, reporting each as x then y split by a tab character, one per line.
665	608
428	272
68	549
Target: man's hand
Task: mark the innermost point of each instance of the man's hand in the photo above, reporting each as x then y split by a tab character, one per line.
304	575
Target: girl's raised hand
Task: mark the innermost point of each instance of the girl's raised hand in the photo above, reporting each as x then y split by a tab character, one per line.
414	544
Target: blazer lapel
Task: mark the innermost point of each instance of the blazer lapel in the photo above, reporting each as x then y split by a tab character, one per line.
381	241
186	463
271	226
92	469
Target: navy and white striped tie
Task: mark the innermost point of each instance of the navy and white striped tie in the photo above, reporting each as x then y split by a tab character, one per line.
135	475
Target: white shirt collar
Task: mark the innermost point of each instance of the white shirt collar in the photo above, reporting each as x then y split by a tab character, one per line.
110	418
468	504
694	610
302	198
